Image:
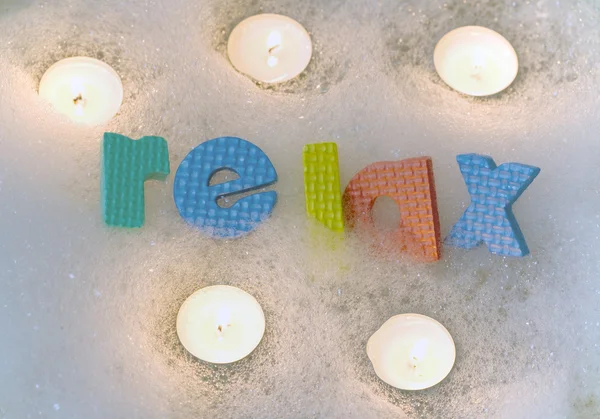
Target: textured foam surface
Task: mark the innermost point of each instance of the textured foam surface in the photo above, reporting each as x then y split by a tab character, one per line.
196	199
322	184
411	185
489	218
88	313
126	165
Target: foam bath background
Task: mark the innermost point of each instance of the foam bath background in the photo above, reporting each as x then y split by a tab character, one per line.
87	313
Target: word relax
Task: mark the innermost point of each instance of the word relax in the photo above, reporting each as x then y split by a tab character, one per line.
489	218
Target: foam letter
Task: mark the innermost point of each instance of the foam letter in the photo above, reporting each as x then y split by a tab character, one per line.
126	165
410	183
489	218
196	200
322	184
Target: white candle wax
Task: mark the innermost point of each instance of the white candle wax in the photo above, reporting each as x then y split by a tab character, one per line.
269	48
476	61
86	90
411	352
220	324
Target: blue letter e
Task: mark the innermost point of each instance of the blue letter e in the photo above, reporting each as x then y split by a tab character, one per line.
196	199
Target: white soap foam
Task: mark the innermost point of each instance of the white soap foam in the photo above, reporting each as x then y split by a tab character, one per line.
103	343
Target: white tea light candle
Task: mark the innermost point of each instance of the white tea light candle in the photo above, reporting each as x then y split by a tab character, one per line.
476	61
220	324
269	48
85	89
412	352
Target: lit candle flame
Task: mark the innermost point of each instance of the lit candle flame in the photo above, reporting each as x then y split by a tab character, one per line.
419	352
78	92
479	62
274	41
223	321
273	44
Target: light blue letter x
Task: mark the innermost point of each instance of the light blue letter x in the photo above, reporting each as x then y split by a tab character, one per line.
489	218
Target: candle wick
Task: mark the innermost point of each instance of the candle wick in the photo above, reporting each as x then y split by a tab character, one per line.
477	69
220	327
78	99
476	76
273	48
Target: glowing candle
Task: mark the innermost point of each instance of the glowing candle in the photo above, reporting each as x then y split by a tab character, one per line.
269	48
85	89
411	352
476	61
220	324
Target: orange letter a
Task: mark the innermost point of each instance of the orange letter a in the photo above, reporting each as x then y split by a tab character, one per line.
410	184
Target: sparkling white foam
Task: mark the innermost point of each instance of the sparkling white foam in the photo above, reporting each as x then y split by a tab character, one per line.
87	313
